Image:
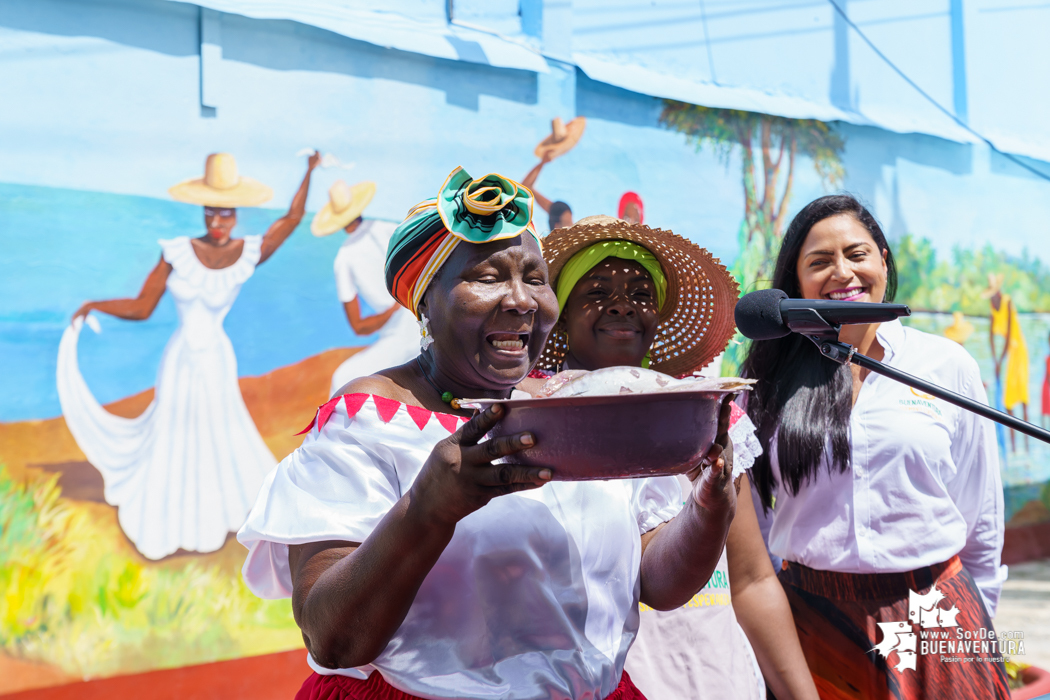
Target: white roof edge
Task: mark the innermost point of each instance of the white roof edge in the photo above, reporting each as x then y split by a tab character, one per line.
392	30
648	82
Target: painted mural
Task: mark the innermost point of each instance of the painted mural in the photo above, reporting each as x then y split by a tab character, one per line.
164	334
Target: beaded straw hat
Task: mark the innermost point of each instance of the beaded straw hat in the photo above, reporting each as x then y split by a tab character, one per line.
221	186
696	319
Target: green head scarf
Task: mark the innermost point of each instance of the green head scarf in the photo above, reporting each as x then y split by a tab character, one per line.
585	260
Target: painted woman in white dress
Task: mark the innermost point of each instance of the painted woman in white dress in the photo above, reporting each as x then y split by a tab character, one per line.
185	473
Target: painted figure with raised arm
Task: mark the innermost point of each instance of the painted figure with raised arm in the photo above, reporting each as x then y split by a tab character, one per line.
560	141
184	474
359	276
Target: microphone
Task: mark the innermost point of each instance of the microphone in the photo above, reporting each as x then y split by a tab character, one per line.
768	314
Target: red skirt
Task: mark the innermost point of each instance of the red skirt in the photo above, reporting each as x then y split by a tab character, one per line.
862	644
318	687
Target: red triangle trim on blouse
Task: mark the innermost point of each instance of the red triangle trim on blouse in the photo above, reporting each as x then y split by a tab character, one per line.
324	413
735	413
386	410
354	402
420	416
448	421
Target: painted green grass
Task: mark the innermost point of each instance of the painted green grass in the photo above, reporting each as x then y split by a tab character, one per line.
67	599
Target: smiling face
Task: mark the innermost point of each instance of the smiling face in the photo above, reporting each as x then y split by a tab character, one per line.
840	261
219	222
490	310
611	316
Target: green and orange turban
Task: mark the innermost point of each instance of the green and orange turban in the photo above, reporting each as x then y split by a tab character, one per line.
490	208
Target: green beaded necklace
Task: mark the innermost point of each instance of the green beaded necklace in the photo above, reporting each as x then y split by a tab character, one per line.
446	396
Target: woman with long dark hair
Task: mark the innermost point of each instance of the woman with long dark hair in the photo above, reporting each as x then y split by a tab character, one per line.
887	505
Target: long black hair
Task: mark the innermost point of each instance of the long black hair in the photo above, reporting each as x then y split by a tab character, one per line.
802	397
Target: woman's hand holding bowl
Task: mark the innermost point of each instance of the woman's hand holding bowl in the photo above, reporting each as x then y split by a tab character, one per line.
712	479
460	476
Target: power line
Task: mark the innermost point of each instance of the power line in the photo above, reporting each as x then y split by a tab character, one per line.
951	115
707	42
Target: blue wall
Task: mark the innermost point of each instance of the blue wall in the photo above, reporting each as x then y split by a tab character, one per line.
101	114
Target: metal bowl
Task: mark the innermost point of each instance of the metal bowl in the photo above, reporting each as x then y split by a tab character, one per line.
613	437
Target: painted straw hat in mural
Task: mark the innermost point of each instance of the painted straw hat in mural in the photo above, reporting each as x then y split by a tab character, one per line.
222	186
696	320
562	137
345	204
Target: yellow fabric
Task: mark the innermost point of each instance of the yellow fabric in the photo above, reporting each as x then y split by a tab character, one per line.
1015	387
582	262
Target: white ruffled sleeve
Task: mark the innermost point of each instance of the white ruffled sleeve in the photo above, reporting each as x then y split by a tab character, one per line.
655	500
337	486
746	446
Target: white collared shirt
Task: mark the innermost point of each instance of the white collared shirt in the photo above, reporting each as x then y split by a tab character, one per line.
924	483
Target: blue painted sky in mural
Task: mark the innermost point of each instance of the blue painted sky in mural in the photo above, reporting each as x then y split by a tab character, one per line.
102	246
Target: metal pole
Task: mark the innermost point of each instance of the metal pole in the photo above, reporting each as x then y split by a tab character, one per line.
843	353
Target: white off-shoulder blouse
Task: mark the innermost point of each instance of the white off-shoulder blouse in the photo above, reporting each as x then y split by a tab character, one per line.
536	595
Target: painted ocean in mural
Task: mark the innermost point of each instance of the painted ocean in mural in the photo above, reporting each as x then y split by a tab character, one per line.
102	246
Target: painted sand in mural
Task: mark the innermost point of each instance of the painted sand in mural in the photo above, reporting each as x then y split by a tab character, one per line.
133	439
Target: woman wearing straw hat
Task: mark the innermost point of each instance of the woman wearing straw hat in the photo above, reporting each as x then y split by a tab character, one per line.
561	140
359	275
185	473
635	296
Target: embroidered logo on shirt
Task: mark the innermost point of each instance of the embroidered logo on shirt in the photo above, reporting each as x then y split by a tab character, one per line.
922	403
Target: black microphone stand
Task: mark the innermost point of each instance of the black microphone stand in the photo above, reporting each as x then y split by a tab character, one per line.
826	337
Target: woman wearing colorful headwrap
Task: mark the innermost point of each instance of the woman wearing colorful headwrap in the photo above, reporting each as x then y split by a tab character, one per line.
420	566
631	295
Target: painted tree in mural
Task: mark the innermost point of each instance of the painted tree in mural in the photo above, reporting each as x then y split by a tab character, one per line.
775	142
770	147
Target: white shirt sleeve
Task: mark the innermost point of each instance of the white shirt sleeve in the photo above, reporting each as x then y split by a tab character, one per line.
344	277
977	490
746	445
655	500
337	486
